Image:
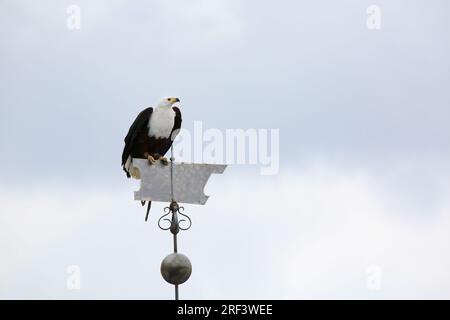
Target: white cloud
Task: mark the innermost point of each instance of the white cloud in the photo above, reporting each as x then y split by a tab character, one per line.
354	231
306	234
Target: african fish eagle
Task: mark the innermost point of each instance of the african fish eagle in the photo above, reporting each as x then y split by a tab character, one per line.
151	136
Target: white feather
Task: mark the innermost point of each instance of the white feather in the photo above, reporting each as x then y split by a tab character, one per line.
161	122
128	164
134	172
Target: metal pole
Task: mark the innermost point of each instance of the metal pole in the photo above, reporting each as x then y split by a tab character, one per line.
175	244
172	159
175	268
174	214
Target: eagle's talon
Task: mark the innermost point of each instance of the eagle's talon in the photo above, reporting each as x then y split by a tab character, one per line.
151	160
164	161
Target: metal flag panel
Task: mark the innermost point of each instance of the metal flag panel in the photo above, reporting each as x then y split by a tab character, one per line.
189	180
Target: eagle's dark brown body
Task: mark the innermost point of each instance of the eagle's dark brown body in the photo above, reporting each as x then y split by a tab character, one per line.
149	145
138	143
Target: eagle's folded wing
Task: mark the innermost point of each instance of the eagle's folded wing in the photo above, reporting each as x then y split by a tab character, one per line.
139	123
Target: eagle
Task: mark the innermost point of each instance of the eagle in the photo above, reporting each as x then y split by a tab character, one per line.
151	136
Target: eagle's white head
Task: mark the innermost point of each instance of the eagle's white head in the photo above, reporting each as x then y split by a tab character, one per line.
167	102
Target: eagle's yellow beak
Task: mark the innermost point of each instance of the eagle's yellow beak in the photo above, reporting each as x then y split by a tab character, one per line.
173	100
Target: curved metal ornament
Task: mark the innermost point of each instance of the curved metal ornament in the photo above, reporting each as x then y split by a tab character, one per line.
174	223
162	218
180	212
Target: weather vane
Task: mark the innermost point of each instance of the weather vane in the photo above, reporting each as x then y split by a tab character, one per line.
149	138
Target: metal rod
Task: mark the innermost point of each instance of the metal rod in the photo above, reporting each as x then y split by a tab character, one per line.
172	159
175	222
174	214
175	243
175	246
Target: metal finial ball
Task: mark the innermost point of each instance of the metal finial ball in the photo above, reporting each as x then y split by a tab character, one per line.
176	268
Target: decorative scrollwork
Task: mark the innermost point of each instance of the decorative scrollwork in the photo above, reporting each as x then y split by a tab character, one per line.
189	221
163	218
175	224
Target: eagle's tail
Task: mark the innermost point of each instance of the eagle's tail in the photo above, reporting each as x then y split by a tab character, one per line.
149	205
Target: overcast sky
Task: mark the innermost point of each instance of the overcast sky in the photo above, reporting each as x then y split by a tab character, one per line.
364	180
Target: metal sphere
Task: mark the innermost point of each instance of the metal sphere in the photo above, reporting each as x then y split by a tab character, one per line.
176	268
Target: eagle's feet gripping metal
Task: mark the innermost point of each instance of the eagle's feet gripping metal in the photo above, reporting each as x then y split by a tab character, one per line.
164	161
151	160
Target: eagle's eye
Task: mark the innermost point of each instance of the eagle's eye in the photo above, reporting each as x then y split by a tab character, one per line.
168	99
